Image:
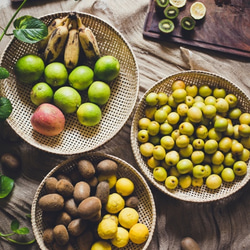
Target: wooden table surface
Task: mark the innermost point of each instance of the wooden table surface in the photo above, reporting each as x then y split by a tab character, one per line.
220	225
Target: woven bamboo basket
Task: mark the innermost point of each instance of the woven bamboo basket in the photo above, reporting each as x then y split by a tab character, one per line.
146	207
75	138
191	194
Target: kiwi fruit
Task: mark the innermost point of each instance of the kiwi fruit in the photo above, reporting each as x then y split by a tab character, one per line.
171	12
161	3
166	26
188	23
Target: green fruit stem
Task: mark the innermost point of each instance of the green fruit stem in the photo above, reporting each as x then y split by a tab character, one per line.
20	242
6	237
11	20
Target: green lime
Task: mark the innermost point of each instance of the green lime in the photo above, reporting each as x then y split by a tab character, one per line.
99	92
89	114
67	99
107	68
81	77
29	68
56	74
41	93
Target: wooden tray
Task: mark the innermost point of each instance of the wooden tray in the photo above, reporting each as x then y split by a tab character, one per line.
225	28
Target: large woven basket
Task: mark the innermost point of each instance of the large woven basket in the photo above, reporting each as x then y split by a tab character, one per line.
75	137
201	194
146	207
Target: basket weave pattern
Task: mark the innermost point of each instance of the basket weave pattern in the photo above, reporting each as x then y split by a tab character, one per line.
146	207
198	194
75	138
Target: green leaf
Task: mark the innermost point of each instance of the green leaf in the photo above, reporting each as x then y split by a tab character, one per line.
29	29
14	225
6	186
23	230
5	108
28	216
4	73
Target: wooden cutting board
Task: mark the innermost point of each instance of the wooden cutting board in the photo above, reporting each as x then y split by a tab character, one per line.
225	28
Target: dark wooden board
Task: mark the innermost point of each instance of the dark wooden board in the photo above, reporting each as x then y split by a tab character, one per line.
225	28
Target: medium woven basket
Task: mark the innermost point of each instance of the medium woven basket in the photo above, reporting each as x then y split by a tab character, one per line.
198	194
75	138
146	207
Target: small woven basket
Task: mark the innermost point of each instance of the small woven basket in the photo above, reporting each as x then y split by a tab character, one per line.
146	207
75	138
198	194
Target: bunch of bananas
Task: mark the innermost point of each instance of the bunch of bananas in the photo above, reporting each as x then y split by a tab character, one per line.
66	35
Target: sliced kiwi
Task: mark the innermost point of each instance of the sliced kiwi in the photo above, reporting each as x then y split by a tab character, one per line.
188	23
166	25
171	12
161	3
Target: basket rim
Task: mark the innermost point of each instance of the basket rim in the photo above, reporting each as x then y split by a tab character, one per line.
89	154
133	140
116	130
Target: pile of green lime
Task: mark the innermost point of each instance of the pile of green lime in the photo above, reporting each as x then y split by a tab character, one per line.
194	136
53	83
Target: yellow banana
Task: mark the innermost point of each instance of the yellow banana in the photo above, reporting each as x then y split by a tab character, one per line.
56	42
72	48
51	27
88	41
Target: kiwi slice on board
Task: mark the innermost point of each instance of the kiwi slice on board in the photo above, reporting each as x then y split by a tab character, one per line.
188	23
166	26
171	12
161	3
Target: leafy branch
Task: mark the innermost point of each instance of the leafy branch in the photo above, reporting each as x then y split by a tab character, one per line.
11	20
16	230
6	186
28	29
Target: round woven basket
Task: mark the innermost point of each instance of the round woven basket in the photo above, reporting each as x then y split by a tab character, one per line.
197	194
75	138
146	207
